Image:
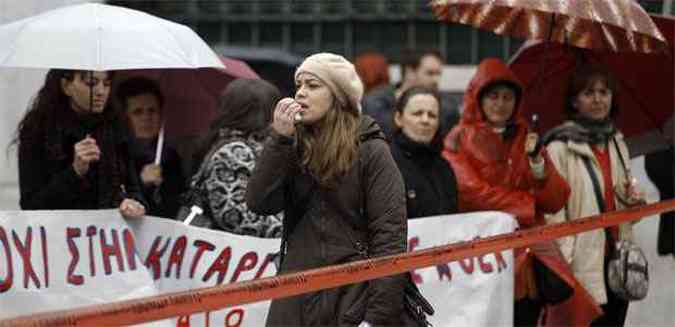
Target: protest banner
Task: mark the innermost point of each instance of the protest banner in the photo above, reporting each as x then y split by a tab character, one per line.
54	260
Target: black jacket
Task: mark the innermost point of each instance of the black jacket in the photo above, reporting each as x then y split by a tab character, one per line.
163	201
48	181
660	169
430	184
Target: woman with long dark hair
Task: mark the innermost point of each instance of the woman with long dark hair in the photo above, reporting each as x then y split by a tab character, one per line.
228	156
73	148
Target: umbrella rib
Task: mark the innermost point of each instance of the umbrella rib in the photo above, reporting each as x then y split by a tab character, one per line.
99	30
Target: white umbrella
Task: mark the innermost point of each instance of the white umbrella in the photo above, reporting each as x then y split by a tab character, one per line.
102	37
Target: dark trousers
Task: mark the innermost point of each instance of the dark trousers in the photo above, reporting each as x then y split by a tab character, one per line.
614	310
526	312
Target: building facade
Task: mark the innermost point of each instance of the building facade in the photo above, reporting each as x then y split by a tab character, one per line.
347	27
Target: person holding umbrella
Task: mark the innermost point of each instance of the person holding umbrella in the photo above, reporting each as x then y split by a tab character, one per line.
498	167
73	148
589	152
160	170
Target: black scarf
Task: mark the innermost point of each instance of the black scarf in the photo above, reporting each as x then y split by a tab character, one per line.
416	149
582	130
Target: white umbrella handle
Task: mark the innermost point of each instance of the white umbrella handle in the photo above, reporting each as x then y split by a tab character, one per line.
194	211
160	145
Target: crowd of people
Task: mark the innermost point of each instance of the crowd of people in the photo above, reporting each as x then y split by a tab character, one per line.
337	170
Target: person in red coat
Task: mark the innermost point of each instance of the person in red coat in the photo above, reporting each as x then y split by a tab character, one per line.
498	167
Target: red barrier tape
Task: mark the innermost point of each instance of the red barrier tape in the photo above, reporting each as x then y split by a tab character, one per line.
219	297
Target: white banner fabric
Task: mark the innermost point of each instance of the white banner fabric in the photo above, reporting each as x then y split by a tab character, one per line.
55	260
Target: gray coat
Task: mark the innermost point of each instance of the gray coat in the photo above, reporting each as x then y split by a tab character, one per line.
324	223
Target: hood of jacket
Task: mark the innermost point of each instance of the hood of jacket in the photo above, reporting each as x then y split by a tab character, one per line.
369	129
490	71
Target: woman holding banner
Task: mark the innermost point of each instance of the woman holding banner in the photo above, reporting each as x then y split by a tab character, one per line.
330	170
162	183
499	167
586	148
73	148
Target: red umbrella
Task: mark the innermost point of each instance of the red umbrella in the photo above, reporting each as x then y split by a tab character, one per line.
645	82
191	95
616	25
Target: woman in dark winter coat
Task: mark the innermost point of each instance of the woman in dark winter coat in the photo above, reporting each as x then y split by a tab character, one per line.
162	184
431	187
74	149
229	154
329	169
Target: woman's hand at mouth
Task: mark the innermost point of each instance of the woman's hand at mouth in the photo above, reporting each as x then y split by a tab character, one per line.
285	116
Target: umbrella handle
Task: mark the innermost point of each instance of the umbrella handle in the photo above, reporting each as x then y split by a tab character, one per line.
534	125
160	145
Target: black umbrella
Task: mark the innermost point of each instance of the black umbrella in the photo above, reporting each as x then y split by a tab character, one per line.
274	65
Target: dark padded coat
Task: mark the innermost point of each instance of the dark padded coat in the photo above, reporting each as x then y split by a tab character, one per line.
325	232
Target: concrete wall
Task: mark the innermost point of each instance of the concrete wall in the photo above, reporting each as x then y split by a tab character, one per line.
17	86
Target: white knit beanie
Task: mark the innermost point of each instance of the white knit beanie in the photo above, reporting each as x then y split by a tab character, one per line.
338	74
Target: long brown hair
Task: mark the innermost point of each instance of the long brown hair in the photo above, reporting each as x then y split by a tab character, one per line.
330	148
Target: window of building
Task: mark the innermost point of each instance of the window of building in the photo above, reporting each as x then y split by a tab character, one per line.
347	27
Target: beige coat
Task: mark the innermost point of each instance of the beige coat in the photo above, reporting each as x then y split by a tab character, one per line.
585	252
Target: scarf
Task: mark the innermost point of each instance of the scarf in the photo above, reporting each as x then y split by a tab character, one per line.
582	130
417	150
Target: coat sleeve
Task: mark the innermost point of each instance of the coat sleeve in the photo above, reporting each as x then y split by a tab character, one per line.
477	194
552	193
40	189
265	191
558	155
226	181
133	186
387	227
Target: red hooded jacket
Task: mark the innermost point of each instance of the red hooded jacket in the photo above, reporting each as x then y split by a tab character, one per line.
493	173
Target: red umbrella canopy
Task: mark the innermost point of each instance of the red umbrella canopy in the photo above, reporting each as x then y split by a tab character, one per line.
645	84
616	25
191	95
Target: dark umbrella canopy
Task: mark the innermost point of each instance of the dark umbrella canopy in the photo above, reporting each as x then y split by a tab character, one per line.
273	65
191	95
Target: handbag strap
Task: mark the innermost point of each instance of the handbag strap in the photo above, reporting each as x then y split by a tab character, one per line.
598	194
623	162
